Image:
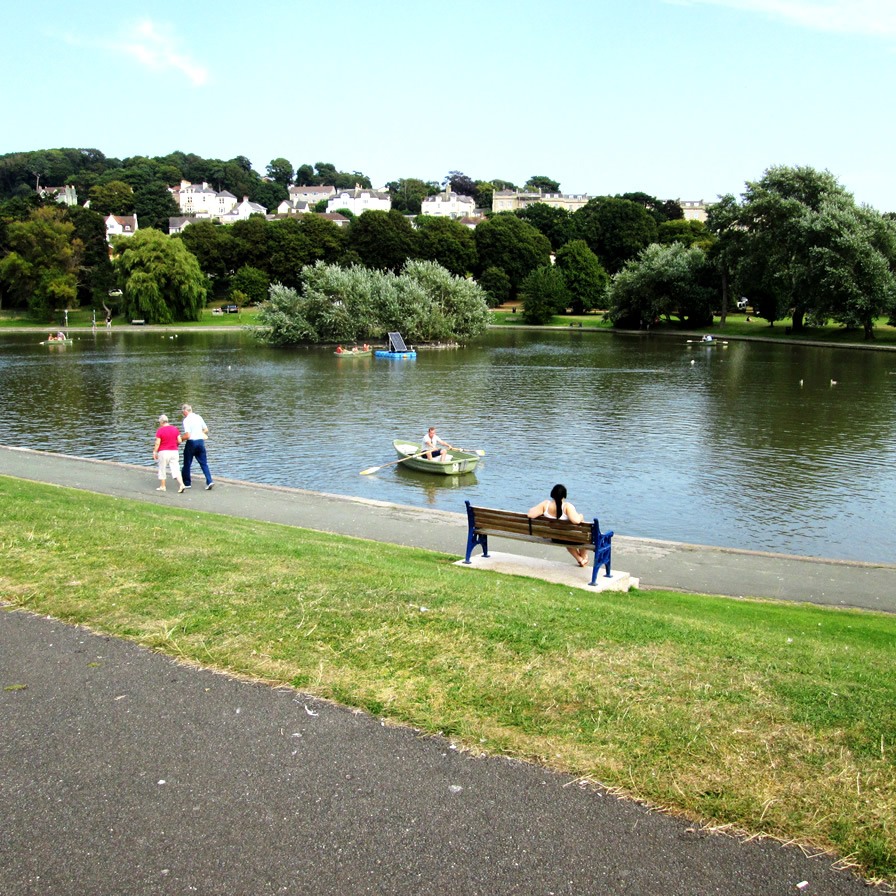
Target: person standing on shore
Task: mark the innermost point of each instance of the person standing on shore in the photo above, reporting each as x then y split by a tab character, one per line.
194	435
165	453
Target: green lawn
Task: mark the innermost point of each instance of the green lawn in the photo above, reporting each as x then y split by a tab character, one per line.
766	717
736	325
82	318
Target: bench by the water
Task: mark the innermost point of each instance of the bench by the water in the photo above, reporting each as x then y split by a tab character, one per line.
139	322
484	521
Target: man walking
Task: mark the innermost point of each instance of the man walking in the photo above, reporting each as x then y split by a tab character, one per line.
193	437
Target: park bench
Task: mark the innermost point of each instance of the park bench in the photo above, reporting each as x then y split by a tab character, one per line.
484	521
138	322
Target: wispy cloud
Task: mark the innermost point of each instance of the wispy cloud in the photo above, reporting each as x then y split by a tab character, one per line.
154	46
869	17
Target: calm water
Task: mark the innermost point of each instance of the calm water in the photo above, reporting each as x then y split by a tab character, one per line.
659	438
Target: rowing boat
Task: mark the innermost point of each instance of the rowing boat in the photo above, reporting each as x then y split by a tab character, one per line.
354	353
458	461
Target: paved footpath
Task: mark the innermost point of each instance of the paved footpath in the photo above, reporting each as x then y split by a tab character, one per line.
125	773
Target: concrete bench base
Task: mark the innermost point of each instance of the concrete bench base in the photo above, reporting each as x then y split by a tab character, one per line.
560	573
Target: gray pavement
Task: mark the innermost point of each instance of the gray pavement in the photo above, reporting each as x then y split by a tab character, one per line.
124	772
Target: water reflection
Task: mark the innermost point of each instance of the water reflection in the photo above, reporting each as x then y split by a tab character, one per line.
751	445
431	486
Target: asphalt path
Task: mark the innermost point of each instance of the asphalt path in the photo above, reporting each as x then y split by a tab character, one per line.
124	772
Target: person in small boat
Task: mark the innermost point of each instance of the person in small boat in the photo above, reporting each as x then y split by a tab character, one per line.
431	449
707	337
340	350
558	508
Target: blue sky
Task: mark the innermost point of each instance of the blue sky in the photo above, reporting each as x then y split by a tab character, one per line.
681	99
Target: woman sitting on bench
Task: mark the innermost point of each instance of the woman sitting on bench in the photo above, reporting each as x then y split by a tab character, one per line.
558	508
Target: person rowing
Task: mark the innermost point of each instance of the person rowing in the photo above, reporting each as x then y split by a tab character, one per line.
431	449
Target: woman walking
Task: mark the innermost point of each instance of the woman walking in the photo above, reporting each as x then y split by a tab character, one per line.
165	453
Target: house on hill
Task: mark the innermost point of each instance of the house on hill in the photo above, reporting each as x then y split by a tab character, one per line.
203	201
449	205
120	225
243	211
360	200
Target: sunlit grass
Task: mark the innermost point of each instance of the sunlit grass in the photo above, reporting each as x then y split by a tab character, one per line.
768	717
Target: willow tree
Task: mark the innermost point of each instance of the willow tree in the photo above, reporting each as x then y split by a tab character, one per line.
162	280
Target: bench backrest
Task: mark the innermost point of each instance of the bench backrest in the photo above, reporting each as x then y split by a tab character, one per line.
487	520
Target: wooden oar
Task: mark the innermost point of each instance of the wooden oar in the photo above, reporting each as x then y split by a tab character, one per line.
479	451
370	470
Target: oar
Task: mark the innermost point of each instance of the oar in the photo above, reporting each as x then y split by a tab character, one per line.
479	451
370	470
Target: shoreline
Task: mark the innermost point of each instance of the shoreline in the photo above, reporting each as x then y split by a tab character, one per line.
77	332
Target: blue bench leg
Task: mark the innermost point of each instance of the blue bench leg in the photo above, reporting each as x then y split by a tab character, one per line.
472	541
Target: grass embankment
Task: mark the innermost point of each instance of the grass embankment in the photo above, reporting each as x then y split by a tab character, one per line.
766	717
82	318
736	325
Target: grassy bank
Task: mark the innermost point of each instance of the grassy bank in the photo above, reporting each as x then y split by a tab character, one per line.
737	325
82	319
771	718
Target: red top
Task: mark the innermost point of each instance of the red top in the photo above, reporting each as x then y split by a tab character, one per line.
168	435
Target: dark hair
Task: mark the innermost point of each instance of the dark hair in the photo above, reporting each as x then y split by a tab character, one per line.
558	493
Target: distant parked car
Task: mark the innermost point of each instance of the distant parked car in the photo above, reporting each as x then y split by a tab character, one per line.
742	303
231	309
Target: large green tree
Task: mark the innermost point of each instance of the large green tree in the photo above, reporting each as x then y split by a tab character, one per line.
798	245
383	240
40	269
212	244
408	194
447	242
543	183
616	230
510	244
154	206
584	275
280	171
555	223
662	282
544	294
113	198
162	280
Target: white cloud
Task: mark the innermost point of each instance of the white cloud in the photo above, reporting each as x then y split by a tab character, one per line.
869	17
153	46
156	48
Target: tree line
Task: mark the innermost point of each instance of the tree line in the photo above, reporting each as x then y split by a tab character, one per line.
795	243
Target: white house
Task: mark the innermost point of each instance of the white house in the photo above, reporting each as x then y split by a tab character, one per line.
311	194
66	195
203	201
243	211
360	200
294	207
449	205
120	225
